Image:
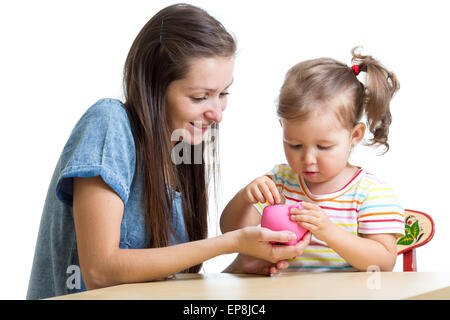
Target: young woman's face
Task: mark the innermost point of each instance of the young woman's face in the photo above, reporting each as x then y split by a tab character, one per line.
197	101
318	148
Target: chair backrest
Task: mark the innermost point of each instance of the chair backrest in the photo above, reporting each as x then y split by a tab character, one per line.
419	229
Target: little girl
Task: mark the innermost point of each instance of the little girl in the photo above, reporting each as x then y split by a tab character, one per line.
354	217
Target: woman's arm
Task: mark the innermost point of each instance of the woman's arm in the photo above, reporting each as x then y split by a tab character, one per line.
98	212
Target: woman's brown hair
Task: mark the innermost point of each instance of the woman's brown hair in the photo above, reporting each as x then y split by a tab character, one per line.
161	54
313	85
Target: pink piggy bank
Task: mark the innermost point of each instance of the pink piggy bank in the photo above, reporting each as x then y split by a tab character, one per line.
276	218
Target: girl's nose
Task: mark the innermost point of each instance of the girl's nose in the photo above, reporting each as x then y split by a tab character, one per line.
309	157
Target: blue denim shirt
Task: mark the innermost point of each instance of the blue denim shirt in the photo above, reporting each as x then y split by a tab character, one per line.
101	144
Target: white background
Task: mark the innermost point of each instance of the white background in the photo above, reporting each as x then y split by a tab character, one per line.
57	58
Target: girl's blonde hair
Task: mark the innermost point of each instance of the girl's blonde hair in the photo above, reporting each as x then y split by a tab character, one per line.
314	86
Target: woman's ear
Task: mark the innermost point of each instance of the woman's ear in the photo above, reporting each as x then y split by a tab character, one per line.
358	133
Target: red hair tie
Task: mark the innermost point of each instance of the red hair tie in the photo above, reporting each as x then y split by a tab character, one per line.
355	69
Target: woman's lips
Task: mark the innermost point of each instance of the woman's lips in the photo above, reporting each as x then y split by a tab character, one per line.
202	128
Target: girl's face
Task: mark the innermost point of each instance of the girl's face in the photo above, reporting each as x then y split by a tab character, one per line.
195	102
318	149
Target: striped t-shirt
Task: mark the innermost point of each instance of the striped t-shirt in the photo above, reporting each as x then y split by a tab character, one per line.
364	205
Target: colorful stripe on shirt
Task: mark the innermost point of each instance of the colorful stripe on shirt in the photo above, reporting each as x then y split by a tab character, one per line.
365	205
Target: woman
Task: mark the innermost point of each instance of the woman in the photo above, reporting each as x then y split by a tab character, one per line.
128	199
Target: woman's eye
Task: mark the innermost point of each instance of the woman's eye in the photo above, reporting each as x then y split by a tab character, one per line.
296	146
198	99
224	94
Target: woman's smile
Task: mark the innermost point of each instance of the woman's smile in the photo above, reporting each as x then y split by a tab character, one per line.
197	125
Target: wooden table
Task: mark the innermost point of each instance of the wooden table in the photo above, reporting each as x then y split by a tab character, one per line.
288	286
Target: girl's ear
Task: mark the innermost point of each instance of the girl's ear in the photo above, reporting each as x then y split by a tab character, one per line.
358	133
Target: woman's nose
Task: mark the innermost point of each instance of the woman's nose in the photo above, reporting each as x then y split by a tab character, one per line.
214	115
215	112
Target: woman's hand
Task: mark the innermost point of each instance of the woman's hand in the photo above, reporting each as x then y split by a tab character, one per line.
262	189
255	242
313	218
248	264
258	256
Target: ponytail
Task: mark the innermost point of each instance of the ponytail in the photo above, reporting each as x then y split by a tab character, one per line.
380	86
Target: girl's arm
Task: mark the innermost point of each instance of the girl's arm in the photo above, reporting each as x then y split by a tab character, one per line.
98	212
361	252
378	250
240	211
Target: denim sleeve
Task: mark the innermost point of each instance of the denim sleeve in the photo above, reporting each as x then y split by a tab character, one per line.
101	144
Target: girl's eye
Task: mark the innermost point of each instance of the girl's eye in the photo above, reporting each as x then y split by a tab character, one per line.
296	147
224	94
324	147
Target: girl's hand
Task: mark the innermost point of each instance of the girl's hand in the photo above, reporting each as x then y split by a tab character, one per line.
262	189
313	218
255	241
